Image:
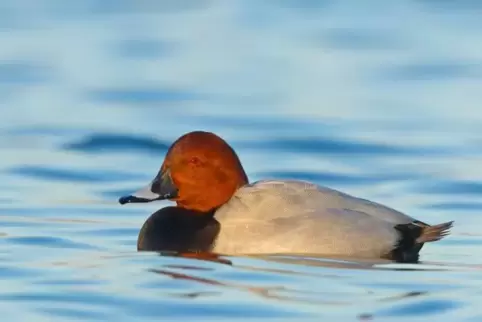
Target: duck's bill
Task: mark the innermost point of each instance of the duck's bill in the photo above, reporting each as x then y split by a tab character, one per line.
161	188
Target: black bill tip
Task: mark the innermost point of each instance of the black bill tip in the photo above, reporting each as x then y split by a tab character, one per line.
132	199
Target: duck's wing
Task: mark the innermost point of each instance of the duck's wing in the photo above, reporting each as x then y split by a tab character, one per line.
340	232
302	195
298	217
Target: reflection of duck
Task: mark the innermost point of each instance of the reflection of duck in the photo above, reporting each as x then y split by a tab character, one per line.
190	273
218	210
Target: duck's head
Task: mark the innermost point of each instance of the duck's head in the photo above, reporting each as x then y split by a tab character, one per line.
200	172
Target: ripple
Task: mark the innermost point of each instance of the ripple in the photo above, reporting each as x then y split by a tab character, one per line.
68	282
142	48
108	143
465	241
70	175
63	211
452	188
149	307
333	146
328	177
44	241
433	71
113	232
305	6
76	314
36	130
22	224
360	39
470	6
272	123
424	307
450	206
18	72
114	194
128	7
141	96
16	272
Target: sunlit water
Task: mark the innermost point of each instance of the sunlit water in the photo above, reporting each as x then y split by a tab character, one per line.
380	99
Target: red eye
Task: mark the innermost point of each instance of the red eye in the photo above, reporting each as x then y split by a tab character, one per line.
194	161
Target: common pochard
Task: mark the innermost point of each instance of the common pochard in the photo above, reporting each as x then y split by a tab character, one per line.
218	211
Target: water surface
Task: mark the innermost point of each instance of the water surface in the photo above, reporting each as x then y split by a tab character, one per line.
377	99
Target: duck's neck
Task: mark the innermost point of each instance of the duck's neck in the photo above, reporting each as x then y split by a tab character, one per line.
191	213
178	229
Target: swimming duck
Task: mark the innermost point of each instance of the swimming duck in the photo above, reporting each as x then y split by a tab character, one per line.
218	210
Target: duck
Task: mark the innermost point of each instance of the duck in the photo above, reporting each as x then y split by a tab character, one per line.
218	210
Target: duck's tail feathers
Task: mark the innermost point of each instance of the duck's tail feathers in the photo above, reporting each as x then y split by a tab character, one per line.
433	233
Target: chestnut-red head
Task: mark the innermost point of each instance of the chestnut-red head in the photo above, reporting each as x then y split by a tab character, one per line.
200	172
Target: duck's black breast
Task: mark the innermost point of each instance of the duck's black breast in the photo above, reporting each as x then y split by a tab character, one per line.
178	229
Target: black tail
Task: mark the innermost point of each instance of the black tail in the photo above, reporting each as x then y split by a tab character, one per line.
412	237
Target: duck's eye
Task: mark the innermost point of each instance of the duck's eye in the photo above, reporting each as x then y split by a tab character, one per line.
195	161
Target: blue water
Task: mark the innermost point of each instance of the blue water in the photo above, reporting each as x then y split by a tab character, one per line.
380	99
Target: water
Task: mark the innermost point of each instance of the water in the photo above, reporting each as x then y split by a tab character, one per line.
377	99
